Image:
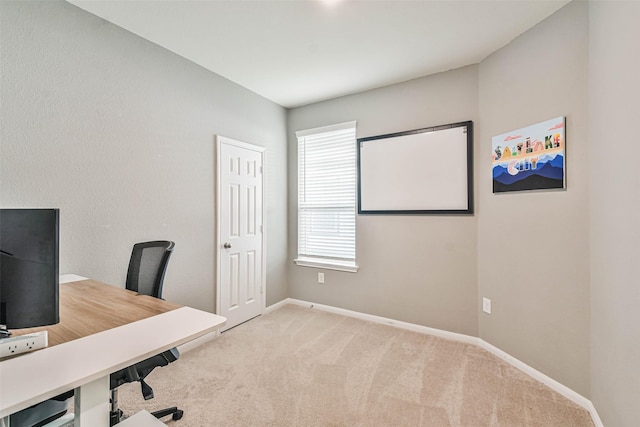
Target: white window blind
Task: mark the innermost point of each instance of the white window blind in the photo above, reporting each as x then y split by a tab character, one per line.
327	193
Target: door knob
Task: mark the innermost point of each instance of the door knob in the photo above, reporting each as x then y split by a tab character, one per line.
227	245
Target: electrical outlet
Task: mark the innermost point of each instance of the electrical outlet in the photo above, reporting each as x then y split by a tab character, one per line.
486	305
23	343
320	277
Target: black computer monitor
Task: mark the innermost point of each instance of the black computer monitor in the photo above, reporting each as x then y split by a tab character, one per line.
29	272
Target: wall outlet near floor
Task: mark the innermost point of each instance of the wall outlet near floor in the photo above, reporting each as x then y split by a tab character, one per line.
320	277
486	305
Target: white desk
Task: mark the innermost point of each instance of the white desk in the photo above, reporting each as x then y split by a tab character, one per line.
85	363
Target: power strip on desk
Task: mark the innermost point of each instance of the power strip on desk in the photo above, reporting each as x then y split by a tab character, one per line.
23	343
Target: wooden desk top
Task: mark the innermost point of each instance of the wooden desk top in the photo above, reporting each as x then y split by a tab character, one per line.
88	307
96	319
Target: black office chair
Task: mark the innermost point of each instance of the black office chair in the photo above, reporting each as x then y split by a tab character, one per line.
145	275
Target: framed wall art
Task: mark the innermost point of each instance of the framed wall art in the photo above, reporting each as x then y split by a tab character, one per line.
531	158
426	171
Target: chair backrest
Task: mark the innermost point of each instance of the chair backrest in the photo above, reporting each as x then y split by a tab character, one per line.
147	267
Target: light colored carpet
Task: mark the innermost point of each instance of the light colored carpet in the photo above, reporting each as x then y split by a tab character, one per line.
300	366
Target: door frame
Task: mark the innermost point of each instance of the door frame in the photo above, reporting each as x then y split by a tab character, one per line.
219	140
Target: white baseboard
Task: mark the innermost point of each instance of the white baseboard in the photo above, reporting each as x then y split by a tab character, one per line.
385	321
532	372
597	422
277	305
546	380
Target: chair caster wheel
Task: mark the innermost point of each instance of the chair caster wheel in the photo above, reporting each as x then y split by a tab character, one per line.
177	415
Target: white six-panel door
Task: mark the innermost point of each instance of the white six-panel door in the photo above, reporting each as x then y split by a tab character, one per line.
240	232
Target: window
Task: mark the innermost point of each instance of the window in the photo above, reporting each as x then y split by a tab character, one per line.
327	197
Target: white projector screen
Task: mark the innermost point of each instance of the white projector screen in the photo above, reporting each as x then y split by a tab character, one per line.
424	171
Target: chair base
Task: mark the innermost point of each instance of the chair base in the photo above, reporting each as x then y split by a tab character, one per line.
175	413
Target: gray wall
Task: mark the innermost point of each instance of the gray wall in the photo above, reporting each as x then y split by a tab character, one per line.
533	247
118	133
614	90
419	269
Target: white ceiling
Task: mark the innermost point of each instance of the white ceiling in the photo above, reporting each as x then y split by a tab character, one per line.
297	52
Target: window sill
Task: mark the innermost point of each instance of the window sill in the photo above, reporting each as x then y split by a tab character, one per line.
349	266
